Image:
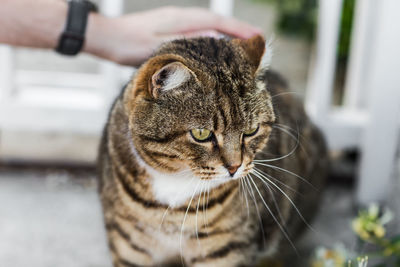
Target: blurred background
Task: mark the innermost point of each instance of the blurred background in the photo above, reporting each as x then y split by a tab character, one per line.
341	57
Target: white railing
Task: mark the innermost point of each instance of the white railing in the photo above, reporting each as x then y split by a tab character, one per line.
369	118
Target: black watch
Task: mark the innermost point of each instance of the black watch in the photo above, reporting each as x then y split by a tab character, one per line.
73	37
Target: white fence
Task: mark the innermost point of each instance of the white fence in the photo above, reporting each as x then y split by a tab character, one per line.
369	118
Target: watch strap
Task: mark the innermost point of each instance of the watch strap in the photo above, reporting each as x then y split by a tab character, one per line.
73	37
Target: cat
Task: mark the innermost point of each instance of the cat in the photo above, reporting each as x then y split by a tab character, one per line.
206	160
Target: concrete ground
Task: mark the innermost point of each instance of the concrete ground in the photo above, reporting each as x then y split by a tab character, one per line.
52	217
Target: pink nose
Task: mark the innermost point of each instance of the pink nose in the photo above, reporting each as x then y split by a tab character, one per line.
232	169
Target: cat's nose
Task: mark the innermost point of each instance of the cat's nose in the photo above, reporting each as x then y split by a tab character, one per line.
232	169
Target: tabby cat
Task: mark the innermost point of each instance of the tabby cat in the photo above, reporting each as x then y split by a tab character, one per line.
205	160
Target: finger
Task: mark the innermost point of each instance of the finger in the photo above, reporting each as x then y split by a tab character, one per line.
236	28
203	33
200	19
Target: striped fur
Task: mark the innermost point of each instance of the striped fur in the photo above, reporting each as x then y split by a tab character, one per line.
170	199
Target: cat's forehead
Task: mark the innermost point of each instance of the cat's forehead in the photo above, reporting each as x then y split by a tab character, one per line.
218	109
219	58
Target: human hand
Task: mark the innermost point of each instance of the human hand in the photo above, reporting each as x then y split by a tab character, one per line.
130	39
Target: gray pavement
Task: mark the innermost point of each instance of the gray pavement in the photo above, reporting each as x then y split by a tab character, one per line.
53	218
50	219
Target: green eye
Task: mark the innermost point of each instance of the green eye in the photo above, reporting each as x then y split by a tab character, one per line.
201	135
251	132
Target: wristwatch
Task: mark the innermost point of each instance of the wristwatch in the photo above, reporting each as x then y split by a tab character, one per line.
73	37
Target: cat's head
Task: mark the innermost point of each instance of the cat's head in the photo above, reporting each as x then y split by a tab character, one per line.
199	106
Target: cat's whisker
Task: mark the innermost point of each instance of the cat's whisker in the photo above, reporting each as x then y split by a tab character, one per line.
197	211
249	187
284	156
278	181
186	171
278	158
204	202
241	193
273	199
286	195
266	153
208	198
163	217
285	93
289	172
287	128
183	222
245	196
274	217
169	206
183	172
295	138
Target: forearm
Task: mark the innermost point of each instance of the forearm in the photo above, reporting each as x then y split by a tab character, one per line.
129	39
32	23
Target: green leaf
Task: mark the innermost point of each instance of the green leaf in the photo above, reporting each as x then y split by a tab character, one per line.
395	239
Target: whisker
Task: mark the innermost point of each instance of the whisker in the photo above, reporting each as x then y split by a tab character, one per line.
183	222
241	194
169	206
204	202
274	217
279	182
256	205
289	172
297	139
197	211
186	171
288	198
285	93
245	196
278	158
288	154
274	200
291	130
208	198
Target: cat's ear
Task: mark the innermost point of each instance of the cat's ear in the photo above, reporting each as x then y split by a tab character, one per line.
256	50
168	77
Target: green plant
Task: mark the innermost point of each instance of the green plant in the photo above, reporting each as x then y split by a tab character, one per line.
296	17
369	226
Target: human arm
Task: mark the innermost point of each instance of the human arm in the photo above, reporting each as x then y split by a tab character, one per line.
32	23
128	39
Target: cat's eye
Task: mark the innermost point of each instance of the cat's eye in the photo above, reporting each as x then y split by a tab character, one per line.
201	135
251	131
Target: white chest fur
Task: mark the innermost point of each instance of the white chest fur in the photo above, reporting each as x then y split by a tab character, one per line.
175	189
